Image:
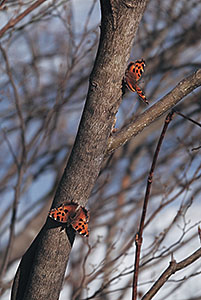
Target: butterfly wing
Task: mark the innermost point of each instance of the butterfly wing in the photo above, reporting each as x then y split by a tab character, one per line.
63	212
133	73
130	77
141	94
80	222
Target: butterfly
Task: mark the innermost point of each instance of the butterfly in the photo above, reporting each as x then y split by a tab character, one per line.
72	214
132	75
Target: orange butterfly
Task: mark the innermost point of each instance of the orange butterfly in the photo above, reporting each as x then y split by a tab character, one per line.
72	214
132	75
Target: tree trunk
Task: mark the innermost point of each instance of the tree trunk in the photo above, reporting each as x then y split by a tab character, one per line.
41	271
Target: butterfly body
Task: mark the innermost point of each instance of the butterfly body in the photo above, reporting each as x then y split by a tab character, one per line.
72	214
132	75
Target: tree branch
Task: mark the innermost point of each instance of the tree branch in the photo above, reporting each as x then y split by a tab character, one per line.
183	88
173	268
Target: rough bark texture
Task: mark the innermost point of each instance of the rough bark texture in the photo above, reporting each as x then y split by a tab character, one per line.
41	271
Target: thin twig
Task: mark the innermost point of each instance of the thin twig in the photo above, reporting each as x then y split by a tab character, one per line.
20	164
196	148
14	21
199	233
182	115
1	4
191	120
12	224
173	268
10	148
17	104
82	281
138	238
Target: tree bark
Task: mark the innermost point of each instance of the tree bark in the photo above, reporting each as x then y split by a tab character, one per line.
42	268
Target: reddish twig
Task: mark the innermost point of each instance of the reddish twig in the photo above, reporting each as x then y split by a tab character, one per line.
14	21
138	238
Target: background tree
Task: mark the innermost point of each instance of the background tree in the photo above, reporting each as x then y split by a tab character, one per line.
45	67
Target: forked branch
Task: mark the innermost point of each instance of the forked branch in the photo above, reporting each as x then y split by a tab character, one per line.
173	268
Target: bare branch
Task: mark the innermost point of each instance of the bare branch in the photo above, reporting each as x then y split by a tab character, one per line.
14	21
173	268
183	88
